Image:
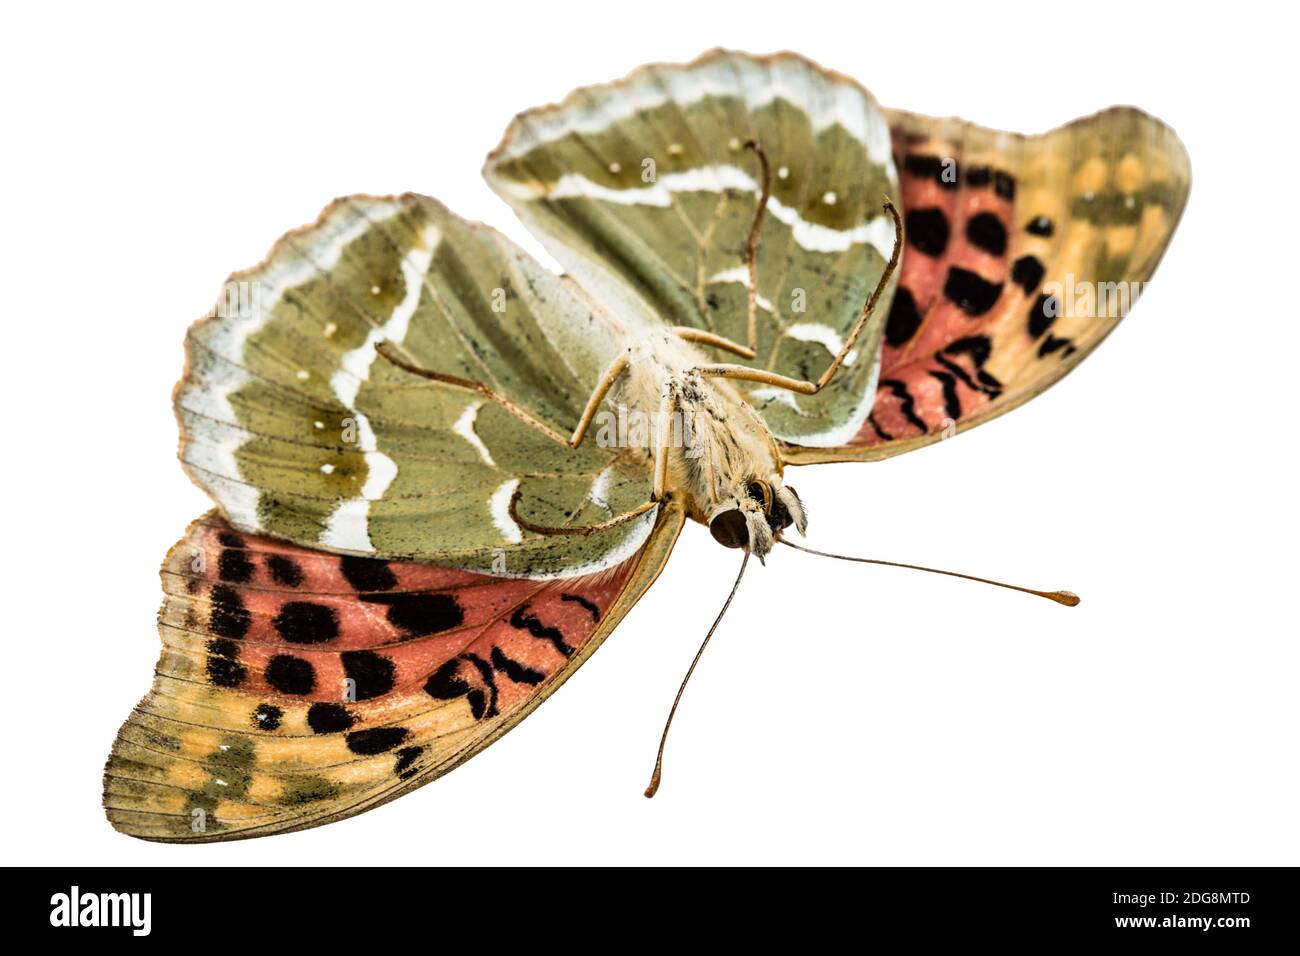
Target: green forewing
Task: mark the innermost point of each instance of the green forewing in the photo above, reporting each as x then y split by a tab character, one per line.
644	190
300	430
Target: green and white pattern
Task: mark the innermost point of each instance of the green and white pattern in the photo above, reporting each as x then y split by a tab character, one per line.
644	191
300	430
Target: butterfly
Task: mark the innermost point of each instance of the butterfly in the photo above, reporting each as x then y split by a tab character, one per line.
444	474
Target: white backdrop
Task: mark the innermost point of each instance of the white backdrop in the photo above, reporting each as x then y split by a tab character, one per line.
843	713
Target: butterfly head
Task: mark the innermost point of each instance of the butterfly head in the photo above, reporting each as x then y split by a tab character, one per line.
756	512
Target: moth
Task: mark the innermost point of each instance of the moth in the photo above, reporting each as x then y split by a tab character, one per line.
443	474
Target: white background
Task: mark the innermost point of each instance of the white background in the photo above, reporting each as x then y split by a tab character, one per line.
843	713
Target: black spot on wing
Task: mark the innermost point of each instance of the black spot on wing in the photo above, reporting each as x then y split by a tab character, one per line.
234	566
284	571
290	675
325	718
267	717
927	230
488	676
971	293
373	674
524	621
942	170
1004	184
449	683
418	615
375	740
920	165
227	615
305	622
406	757
445	683
517	672
367	574
985	231
978	347
223	668
1027	272
1053	344
1040	226
478	703
1042	314
904	318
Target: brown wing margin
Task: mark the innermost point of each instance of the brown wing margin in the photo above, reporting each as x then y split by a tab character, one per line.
1023	253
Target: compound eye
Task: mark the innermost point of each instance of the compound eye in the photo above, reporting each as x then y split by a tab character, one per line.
761	492
730	529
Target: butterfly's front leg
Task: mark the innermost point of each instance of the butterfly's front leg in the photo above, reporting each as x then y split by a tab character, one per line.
607	380
663	439
801	386
662	442
761	375
701	337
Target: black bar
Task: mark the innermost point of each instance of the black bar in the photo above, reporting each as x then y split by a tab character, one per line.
1231	907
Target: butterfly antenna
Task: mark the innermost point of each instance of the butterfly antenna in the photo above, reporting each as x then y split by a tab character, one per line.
659	758
1068	598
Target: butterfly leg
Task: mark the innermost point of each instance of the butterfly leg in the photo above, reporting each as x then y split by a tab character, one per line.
607	380
663	439
579	529
611	374
803	387
700	337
